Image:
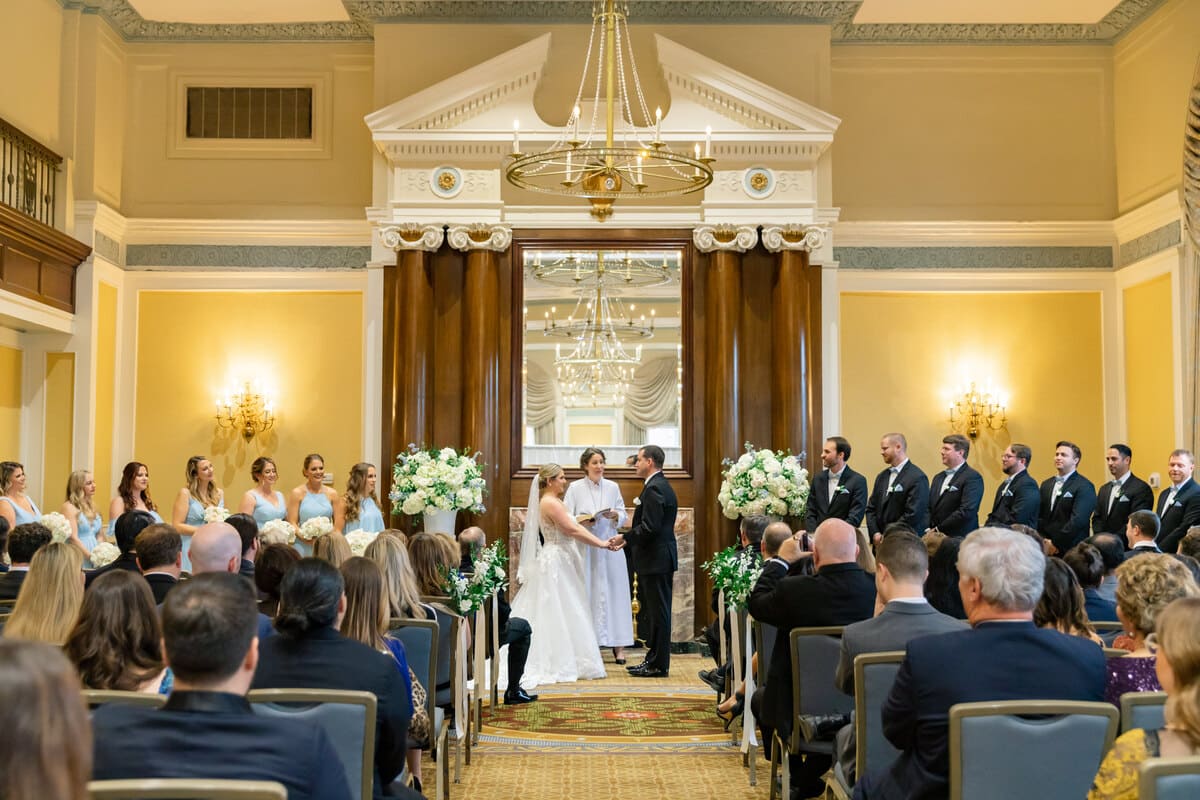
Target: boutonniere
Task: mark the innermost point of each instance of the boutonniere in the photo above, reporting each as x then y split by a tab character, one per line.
896	488
1065	495
841	489
637	501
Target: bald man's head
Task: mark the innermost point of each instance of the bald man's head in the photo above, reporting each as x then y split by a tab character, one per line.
473	536
834	543
216	547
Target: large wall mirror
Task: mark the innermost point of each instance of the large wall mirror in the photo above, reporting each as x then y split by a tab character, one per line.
602	353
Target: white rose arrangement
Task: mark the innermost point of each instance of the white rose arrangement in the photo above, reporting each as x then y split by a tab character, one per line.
763	482
315	528
469	593
437	480
104	554
215	514
60	527
359	540
277	531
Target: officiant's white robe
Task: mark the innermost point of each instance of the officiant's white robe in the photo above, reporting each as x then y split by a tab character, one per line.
607	574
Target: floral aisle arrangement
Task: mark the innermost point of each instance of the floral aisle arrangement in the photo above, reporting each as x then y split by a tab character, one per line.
277	531
734	572
359	541
763	482
469	592
104	554
60	526
437	480
216	514
315	528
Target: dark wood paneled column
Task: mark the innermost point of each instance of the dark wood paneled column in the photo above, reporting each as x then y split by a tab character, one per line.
789	370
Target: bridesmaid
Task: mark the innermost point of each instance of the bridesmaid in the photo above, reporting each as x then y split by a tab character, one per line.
264	502
18	508
133	494
360	501
86	525
314	499
200	493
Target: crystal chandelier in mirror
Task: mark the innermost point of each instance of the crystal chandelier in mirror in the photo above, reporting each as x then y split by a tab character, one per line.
604	162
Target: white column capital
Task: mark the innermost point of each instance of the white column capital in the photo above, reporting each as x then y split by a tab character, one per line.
739	238
794	237
479	236
412	236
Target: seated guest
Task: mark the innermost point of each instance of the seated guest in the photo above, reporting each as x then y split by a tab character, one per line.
431	555
125	531
838	594
390	554
1192	564
1189	545
332	547
273	562
750	534
47	750
23	541
1145	586
1061	606
1088	565
207	729
933	540
159	551
1003	657
1112	551
50	598
247	529
217	547
309	653
941	587
1140	531
1179	672
4	528
117	642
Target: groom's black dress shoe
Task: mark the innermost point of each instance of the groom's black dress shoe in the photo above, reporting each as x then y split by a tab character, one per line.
650	672
636	667
518	697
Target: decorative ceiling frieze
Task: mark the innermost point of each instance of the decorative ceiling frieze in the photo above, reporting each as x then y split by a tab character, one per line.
838	14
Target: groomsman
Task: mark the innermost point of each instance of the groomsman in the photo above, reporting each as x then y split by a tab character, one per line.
901	491
1068	500
1121	496
837	491
1179	503
957	491
1017	499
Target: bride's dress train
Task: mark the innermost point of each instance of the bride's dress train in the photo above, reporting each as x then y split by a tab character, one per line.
553	601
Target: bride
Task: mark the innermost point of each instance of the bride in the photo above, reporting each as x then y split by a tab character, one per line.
553	596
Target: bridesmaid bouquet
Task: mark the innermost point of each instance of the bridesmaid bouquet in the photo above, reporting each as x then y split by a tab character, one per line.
315	528
60	528
425	481
359	540
763	482
734	573
215	514
277	531
104	554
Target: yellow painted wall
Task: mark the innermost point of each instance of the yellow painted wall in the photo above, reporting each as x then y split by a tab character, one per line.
308	345
32	50
10	403
1149	372
156	184
902	354
59	392
987	132
106	382
1153	73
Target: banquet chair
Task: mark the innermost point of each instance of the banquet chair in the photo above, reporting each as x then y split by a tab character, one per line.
1142	710
99	697
1032	749
186	789
348	718
1108	631
764	642
874	674
420	639
451	679
1169	779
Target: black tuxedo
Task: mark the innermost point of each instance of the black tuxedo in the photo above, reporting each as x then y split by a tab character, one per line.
654	558
1135	495
955	511
1141	551
160	584
849	500
908	500
216	735
10	583
1017	503
1067	523
324	659
993	661
125	561
1183	514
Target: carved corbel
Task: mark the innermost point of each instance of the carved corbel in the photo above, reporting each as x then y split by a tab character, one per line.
793	237
412	236
479	236
739	238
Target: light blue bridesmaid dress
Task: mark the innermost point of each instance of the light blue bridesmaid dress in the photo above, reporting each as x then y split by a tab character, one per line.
313	505
195	517
370	519
22	516
264	512
89	530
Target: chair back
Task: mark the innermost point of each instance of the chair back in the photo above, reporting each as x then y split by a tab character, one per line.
348	719
99	697
764	645
1108	631
186	789
1143	710
420	640
874	674
1115	652
1059	741
815	656
448	627
1169	779
7	605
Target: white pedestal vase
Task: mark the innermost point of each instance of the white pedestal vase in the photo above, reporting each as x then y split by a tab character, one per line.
440	521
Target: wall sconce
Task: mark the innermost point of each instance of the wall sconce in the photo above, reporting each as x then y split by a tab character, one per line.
249	410
974	411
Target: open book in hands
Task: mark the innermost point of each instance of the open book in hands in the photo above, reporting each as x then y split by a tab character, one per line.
587	519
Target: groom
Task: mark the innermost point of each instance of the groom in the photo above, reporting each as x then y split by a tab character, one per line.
655	558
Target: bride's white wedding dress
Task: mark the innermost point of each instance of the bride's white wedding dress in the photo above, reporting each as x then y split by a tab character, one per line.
553	601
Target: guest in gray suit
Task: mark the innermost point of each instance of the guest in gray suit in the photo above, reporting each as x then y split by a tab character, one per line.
901	613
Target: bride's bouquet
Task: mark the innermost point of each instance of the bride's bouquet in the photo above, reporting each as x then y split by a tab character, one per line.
763	482
277	531
60	526
734	573
437	480
315	528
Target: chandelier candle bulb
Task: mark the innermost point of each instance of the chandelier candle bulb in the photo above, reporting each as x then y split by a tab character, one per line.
708	141
657	125
516	137
640	182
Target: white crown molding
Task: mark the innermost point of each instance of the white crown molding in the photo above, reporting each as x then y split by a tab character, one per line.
1151	216
973	233
314	232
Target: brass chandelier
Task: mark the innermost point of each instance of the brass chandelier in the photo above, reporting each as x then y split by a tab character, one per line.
605	164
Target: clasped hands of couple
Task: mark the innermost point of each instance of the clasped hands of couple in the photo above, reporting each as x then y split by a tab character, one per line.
616	542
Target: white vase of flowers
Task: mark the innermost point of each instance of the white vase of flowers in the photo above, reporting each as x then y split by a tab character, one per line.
437	484
763	482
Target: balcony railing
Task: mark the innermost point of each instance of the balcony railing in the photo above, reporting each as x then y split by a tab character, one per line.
28	174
